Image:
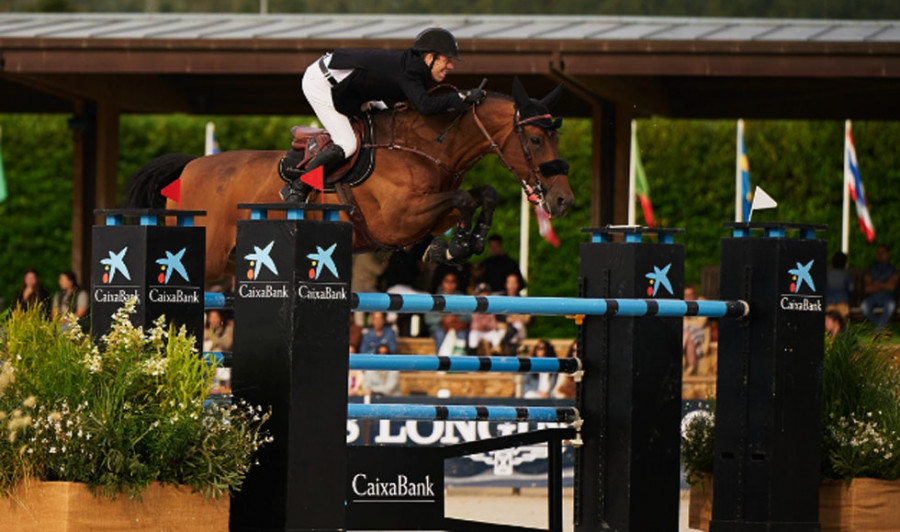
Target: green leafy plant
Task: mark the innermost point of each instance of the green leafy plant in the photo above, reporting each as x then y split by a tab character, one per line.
860	413
861	408
118	414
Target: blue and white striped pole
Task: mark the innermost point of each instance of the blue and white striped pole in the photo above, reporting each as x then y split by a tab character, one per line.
464	364
418	412
544	306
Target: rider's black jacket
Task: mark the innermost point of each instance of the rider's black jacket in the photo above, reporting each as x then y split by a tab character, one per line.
388	75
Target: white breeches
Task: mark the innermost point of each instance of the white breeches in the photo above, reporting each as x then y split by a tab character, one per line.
317	90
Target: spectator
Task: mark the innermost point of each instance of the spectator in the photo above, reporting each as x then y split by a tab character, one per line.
355	378
356	333
484	327
565	384
218	333
440	324
540	385
378	335
32	293
695	334
834	324
839	285
880	283
516	324
499	265
70	301
382	382
367	267
463	276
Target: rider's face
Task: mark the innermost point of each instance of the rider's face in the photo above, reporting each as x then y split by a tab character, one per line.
441	67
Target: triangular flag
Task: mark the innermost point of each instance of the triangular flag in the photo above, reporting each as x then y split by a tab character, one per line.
315	178
761	200
173	191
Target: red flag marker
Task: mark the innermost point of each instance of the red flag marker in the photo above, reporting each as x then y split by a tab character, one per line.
173	191
315	178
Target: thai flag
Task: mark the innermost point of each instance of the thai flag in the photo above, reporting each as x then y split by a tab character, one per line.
854	185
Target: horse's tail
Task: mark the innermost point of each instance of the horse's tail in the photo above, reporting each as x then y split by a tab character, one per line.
150	179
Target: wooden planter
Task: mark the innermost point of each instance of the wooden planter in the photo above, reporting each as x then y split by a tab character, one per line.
70	507
700	507
865	505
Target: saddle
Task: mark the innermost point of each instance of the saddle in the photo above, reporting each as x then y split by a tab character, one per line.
307	141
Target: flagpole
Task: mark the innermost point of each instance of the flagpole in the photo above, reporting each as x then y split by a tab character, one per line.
738	180
631	171
524	236
209	145
845	213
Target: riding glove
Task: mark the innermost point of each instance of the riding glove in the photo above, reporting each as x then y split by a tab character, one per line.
473	96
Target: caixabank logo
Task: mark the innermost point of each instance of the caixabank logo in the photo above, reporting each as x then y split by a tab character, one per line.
262	277
172	281
659	277
801	296
116	285
324	279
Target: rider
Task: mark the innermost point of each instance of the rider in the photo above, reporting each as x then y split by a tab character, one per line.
346	82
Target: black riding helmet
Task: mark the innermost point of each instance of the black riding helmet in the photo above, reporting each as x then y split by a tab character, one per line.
437	40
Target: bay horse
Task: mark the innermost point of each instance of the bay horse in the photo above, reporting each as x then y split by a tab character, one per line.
414	188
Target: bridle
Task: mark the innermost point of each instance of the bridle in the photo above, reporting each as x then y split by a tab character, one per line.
532	184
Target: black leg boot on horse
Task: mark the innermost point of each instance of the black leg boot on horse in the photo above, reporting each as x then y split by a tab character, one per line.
330	159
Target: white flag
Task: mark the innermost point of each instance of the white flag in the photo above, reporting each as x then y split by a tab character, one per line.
761	200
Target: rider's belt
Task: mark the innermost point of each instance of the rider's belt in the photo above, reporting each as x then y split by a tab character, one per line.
326	72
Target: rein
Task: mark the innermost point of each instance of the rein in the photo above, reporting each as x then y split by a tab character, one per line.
534	193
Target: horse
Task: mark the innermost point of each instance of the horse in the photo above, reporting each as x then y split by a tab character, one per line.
413	191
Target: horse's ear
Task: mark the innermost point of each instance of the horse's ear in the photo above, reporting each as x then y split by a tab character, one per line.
551	99
518	93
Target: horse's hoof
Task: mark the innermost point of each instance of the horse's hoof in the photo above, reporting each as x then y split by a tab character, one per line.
436	252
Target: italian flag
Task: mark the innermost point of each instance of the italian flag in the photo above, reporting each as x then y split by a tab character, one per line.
641	188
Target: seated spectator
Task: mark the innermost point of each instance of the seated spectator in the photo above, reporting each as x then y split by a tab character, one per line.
71	303
378	335
695	335
441	324
381	382
565	384
355	378
32	293
356	333
516	324
880	284
540	385
217	336
484	327
839	285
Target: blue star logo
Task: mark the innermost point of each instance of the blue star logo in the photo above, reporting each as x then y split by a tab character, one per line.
321	258
262	258
173	263
116	263
801	275
660	277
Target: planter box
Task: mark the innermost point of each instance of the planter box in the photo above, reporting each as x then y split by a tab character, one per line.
70	507
700	507
866	505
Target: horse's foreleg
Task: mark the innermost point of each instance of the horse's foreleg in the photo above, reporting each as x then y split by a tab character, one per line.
459	247
486	196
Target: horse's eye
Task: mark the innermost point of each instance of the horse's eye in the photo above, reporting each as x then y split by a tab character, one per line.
537	140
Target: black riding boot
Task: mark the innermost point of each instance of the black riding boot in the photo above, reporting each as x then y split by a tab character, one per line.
330	159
